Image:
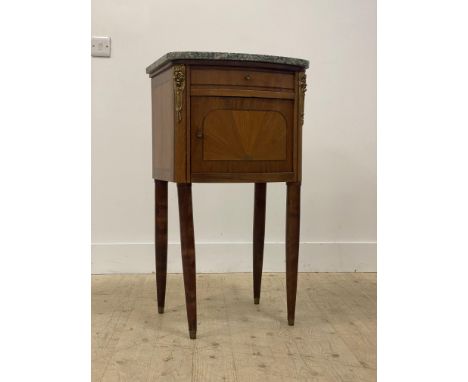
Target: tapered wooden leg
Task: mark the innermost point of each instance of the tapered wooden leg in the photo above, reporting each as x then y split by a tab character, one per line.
161	241
293	213
258	238
184	191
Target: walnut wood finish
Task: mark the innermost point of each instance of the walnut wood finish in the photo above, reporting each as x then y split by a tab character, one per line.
216	64
163	121
293	215
187	240
231	91
186	93
226	121
258	238
161	241
170	154
220	177
242	77
236	135
241	135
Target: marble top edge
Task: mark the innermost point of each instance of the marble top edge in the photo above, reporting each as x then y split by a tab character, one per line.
171	56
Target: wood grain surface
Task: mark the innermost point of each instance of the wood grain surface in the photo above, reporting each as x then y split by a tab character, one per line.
225	123
161	241
246	77
162	101
293	217
187	240
241	135
258	238
334	337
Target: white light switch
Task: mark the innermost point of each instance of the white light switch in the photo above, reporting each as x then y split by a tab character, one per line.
100	46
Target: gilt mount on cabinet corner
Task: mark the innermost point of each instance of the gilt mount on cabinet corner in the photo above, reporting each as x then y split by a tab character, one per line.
179	86
302	90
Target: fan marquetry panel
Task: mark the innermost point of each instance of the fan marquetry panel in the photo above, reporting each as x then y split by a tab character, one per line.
241	135
244	135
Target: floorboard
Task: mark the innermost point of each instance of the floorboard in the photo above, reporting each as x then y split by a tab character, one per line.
334	337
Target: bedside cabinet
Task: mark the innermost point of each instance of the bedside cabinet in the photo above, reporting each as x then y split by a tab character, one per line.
226	117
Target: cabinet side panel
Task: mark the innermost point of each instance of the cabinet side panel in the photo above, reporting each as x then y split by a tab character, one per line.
162	102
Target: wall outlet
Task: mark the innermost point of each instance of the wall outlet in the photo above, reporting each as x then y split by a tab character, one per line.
100	46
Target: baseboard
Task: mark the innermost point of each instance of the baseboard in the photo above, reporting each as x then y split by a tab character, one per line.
236	257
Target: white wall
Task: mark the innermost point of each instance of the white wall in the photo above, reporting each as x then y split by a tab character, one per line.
338	37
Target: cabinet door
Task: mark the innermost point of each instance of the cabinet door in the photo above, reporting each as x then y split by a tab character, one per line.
231	135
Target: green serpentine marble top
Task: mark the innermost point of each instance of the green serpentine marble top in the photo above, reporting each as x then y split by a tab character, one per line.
172	56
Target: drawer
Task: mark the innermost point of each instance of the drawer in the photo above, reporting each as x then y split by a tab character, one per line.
242	77
240	135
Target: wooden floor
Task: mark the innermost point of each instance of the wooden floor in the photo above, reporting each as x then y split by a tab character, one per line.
334	338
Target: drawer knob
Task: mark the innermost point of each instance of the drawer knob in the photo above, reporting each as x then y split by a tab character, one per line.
247	77
199	134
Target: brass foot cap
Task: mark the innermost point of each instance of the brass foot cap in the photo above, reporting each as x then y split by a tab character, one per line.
291	321
256	300
193	334
160	309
